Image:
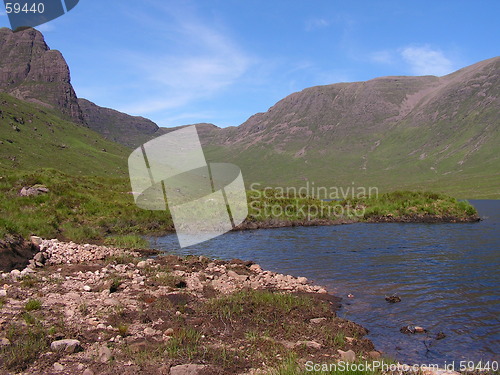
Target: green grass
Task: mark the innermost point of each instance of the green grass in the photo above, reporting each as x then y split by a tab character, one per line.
35	137
250	303
131	241
33	304
92	208
27	343
76	208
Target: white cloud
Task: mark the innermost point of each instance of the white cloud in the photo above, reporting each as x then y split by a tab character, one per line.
316	23
383	57
207	63
427	61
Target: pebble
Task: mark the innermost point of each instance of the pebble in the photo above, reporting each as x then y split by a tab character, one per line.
58	366
348	356
87	288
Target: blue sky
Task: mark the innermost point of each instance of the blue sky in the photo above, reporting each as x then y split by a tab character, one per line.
221	61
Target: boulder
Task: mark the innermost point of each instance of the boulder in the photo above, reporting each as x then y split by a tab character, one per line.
190	369
348	356
66	345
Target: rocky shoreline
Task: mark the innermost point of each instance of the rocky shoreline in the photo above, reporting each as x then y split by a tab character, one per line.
89	309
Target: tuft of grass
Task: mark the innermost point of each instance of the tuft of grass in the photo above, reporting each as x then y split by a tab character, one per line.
29	281
252	302
27	343
115	284
129	241
33	304
123	329
184	343
29	318
84	309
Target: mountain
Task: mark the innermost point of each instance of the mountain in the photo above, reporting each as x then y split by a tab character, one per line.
432	133
33	137
41	122
31	71
131	131
438	133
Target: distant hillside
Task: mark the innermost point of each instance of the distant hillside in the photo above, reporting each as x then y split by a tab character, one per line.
34	137
119	127
437	133
425	133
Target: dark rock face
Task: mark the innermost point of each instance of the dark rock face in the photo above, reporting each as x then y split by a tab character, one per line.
30	71
15	253
116	126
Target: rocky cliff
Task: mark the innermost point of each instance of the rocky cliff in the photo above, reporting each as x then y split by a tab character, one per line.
116	126
31	71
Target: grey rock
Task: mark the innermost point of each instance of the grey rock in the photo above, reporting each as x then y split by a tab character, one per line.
39	257
35	240
105	354
67	345
317	320
58	366
33	191
141	264
190	369
348	356
309	344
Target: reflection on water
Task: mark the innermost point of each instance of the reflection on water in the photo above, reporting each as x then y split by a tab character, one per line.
446	275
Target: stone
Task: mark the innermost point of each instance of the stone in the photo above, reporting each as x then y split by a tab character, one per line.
39	258
393	299
105	354
374	354
317	320
87	288
190	369
420	329
35	240
148	331
309	344
302	280
4	341
255	268
348	356
67	345
33	191
3	293
169	332
141	264
15	273
58	366
88	372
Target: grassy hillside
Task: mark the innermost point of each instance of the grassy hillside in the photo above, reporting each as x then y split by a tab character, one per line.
394	133
33	137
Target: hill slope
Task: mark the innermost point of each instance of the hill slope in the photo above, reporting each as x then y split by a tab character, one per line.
131	131
439	133
33	137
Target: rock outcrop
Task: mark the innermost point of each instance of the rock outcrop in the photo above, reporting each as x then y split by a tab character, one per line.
31	71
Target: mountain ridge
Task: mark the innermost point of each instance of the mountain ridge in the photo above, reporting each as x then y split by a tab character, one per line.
395	132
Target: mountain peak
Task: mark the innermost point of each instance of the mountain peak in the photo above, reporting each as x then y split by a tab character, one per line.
31	71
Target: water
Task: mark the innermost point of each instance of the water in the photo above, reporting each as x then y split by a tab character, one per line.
447	276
